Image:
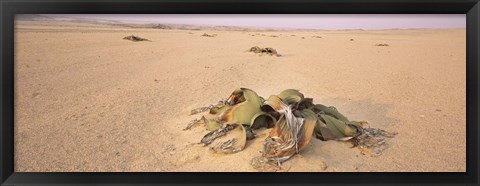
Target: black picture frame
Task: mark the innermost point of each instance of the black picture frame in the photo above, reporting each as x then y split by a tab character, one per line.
9	8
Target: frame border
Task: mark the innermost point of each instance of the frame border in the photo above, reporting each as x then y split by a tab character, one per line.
9	8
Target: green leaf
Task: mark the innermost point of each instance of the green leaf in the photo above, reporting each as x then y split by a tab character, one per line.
338	127
305	103
275	103
246	104
263	119
330	111
290	96
241	113
251	96
211	123
323	132
332	123
219	110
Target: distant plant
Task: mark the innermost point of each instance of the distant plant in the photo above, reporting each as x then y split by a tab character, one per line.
135	38
208	35
268	50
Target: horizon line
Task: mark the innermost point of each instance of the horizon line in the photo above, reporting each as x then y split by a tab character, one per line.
287	22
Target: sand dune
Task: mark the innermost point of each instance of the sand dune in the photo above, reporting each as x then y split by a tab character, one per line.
87	100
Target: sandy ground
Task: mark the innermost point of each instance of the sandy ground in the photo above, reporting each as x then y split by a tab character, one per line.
87	100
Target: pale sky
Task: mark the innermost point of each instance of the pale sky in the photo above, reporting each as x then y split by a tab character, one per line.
308	21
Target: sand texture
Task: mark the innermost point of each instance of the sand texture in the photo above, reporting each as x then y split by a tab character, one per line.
88	100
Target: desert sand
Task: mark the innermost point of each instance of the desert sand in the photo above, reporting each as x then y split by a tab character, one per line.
87	100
